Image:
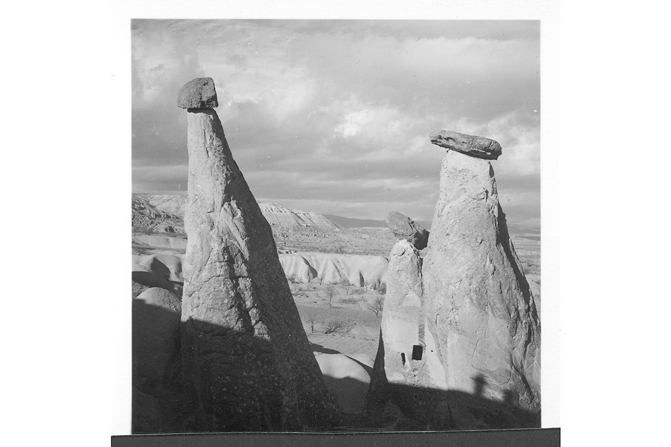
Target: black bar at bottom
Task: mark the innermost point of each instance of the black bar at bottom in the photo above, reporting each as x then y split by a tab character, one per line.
545	437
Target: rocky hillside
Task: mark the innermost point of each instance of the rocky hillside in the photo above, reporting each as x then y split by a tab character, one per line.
287	218
153	211
147	217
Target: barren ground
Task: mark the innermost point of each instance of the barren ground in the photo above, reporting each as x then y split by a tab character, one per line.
348	324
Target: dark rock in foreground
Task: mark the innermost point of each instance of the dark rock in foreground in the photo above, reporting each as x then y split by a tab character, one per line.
156	361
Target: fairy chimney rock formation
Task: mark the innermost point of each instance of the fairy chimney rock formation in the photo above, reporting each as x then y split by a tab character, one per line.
407	370
479	147
482	308
247	362
405	229
476	309
198	93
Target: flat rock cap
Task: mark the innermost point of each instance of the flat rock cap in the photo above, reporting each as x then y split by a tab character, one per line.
198	93
405	229
478	147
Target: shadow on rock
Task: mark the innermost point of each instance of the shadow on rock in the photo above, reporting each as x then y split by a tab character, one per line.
319	348
160	406
149	279
163	395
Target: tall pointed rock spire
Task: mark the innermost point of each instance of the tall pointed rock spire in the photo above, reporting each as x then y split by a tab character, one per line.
246	359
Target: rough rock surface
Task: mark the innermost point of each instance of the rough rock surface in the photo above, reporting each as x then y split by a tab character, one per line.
483	310
467	309
407	362
247	361
146	216
479	147
404	228
198	93
169	209
174	204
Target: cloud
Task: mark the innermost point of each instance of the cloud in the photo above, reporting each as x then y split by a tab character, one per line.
334	116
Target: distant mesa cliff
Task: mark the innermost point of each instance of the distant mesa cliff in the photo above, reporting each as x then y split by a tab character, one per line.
151	211
287	218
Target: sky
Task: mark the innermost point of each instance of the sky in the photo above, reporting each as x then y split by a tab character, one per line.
334	116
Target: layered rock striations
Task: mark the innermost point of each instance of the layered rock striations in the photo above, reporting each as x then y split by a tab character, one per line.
465	311
247	363
290	219
331	268
150	210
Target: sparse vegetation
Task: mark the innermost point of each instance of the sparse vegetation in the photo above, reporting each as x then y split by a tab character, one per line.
311	322
346	286
330	291
377	305
332	326
382	289
349	300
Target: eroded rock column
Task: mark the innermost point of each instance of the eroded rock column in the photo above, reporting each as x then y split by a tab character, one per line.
407	370
482	310
460	334
246	359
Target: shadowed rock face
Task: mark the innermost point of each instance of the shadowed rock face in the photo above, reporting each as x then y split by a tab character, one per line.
404	228
479	147
156	361
466	309
247	363
197	94
155	337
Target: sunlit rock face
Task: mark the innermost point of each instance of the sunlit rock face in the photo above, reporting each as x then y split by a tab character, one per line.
407	367
468	307
286	218
247	363
482	309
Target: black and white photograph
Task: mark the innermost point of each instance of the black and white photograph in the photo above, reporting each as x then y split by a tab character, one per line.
336	225
371	223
